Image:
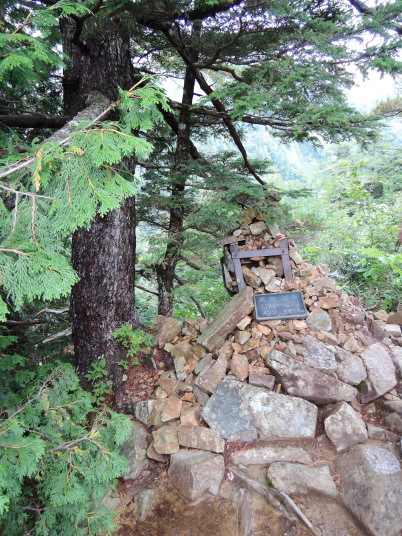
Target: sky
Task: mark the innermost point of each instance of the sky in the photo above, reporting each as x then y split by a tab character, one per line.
367	93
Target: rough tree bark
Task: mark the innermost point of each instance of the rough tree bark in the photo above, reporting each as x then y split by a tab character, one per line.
104	254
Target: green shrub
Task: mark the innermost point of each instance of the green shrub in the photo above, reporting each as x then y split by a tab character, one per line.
58	453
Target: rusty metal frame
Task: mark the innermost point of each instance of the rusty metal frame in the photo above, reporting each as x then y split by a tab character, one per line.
282	251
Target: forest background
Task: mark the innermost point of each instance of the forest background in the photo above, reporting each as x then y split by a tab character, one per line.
115	193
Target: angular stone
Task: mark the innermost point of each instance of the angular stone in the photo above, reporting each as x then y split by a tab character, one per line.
274	285
397	358
195	472
266	274
200	395
370	486
151	453
393	330
206	362
197	437
326	283
239	366
261	380
351	345
244	323
179	364
142	411
250	278
330	301
243	412
394	421
171	409
380	372
294	478
317	355
296	257
319	320
345	427
395	318
208	382
135	449
273	228
183	349
173	387
165	439
267	455
350	367
242	337
307	382
380	434
257	228
168	329
191	416
239	307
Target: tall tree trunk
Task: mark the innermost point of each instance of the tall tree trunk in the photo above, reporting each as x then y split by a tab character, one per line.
104	254
165	271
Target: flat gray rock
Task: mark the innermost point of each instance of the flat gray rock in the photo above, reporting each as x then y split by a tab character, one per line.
234	311
267	455
209	380
319	320
294	478
381	376
301	380
243	412
370	486
350	367
345	427
317	355
195	472
135	450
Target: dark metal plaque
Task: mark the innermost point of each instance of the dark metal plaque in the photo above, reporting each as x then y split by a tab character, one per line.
280	306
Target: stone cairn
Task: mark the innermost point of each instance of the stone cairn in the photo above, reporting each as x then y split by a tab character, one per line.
239	380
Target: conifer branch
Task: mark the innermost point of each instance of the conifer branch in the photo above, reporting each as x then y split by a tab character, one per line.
17	251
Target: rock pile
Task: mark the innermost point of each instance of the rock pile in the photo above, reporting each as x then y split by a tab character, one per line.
239	380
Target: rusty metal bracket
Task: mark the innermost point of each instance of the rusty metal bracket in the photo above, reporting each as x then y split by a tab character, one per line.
282	251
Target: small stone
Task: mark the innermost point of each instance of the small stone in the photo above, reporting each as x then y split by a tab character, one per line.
250	278
171	386
267	455
265	330
237	232
345	427
262	380
299	325
191	416
244	323
242	337
179	364
380	372
380	434
273	228
351	345
294	478
195	472
209	381
168	329
166	439
381	315
182	349
151	453
330	301
394	421
200	395
319	320
266	275
296	257
239	366
257	228
274	285
350	367
171	409
393	330
197	437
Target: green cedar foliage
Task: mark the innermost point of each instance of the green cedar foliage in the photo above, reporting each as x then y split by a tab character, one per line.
58	453
67	184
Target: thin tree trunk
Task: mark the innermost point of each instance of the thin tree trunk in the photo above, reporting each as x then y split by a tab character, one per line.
104	254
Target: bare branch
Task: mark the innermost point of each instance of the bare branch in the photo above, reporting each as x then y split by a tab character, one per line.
147	290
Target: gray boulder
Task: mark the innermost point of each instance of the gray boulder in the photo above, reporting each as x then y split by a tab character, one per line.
135	450
345	427
294	478
195	472
267	455
381	376
317	355
370	486
307	382
243	412
350	367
